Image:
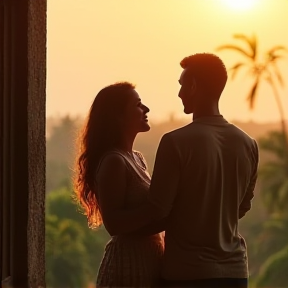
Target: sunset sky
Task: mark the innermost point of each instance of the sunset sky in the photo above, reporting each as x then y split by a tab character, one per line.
93	43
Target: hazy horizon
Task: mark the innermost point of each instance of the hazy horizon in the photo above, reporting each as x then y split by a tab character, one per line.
186	119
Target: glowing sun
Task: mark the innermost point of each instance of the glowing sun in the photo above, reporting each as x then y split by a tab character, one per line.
240	4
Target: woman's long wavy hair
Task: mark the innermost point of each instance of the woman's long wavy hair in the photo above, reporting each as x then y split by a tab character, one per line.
101	133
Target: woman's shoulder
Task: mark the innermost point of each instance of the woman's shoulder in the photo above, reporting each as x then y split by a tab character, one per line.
112	156
120	160
111	160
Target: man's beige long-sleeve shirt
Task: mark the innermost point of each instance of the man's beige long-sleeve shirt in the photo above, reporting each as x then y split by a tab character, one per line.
203	180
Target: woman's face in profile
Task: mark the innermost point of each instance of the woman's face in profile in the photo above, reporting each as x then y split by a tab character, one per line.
135	115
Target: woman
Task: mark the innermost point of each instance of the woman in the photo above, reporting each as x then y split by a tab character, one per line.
111	184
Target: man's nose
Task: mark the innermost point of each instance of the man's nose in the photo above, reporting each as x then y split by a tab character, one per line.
146	109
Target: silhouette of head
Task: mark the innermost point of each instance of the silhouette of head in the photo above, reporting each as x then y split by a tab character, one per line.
117	111
202	81
117	114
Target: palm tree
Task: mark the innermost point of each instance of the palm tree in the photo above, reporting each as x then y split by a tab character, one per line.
265	70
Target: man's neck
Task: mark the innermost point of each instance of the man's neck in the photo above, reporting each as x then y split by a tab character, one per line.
208	112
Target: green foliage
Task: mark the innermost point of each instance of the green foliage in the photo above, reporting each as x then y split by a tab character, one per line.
60	203
73	252
267	239
60	152
61	139
57	175
273	236
66	255
274	173
274	271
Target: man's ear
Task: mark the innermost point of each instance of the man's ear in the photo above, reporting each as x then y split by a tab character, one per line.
193	85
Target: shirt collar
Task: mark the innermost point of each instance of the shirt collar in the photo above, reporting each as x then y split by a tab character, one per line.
213	119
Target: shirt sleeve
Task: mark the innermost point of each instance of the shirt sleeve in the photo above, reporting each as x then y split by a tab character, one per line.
166	175
246	203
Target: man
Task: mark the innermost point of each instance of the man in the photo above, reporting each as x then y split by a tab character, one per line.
203	182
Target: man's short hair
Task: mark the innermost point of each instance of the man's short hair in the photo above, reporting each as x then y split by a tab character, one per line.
208	70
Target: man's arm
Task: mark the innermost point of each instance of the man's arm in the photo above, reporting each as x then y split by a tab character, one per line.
246	204
165	178
163	188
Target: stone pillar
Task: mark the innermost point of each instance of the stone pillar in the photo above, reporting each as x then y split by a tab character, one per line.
22	133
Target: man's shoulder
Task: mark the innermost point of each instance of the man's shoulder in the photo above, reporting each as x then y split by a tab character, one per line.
241	132
178	132
242	138
192	131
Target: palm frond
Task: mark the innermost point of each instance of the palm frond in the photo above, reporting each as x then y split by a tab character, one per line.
277	48
242	37
278	74
273	57
252	43
235	48
252	94
254	46
234	69
272	54
268	78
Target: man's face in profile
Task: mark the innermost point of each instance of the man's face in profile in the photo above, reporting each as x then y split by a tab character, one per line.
187	91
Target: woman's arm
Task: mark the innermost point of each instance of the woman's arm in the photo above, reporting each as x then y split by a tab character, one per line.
155	227
111	193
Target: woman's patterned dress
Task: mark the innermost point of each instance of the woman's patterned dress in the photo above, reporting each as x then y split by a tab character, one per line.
132	261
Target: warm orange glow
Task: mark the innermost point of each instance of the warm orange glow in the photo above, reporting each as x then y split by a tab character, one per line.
240	4
95	43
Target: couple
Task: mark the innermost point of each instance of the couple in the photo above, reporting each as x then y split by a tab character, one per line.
202	184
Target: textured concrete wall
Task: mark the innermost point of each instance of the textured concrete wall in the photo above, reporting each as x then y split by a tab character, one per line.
22	153
36	141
